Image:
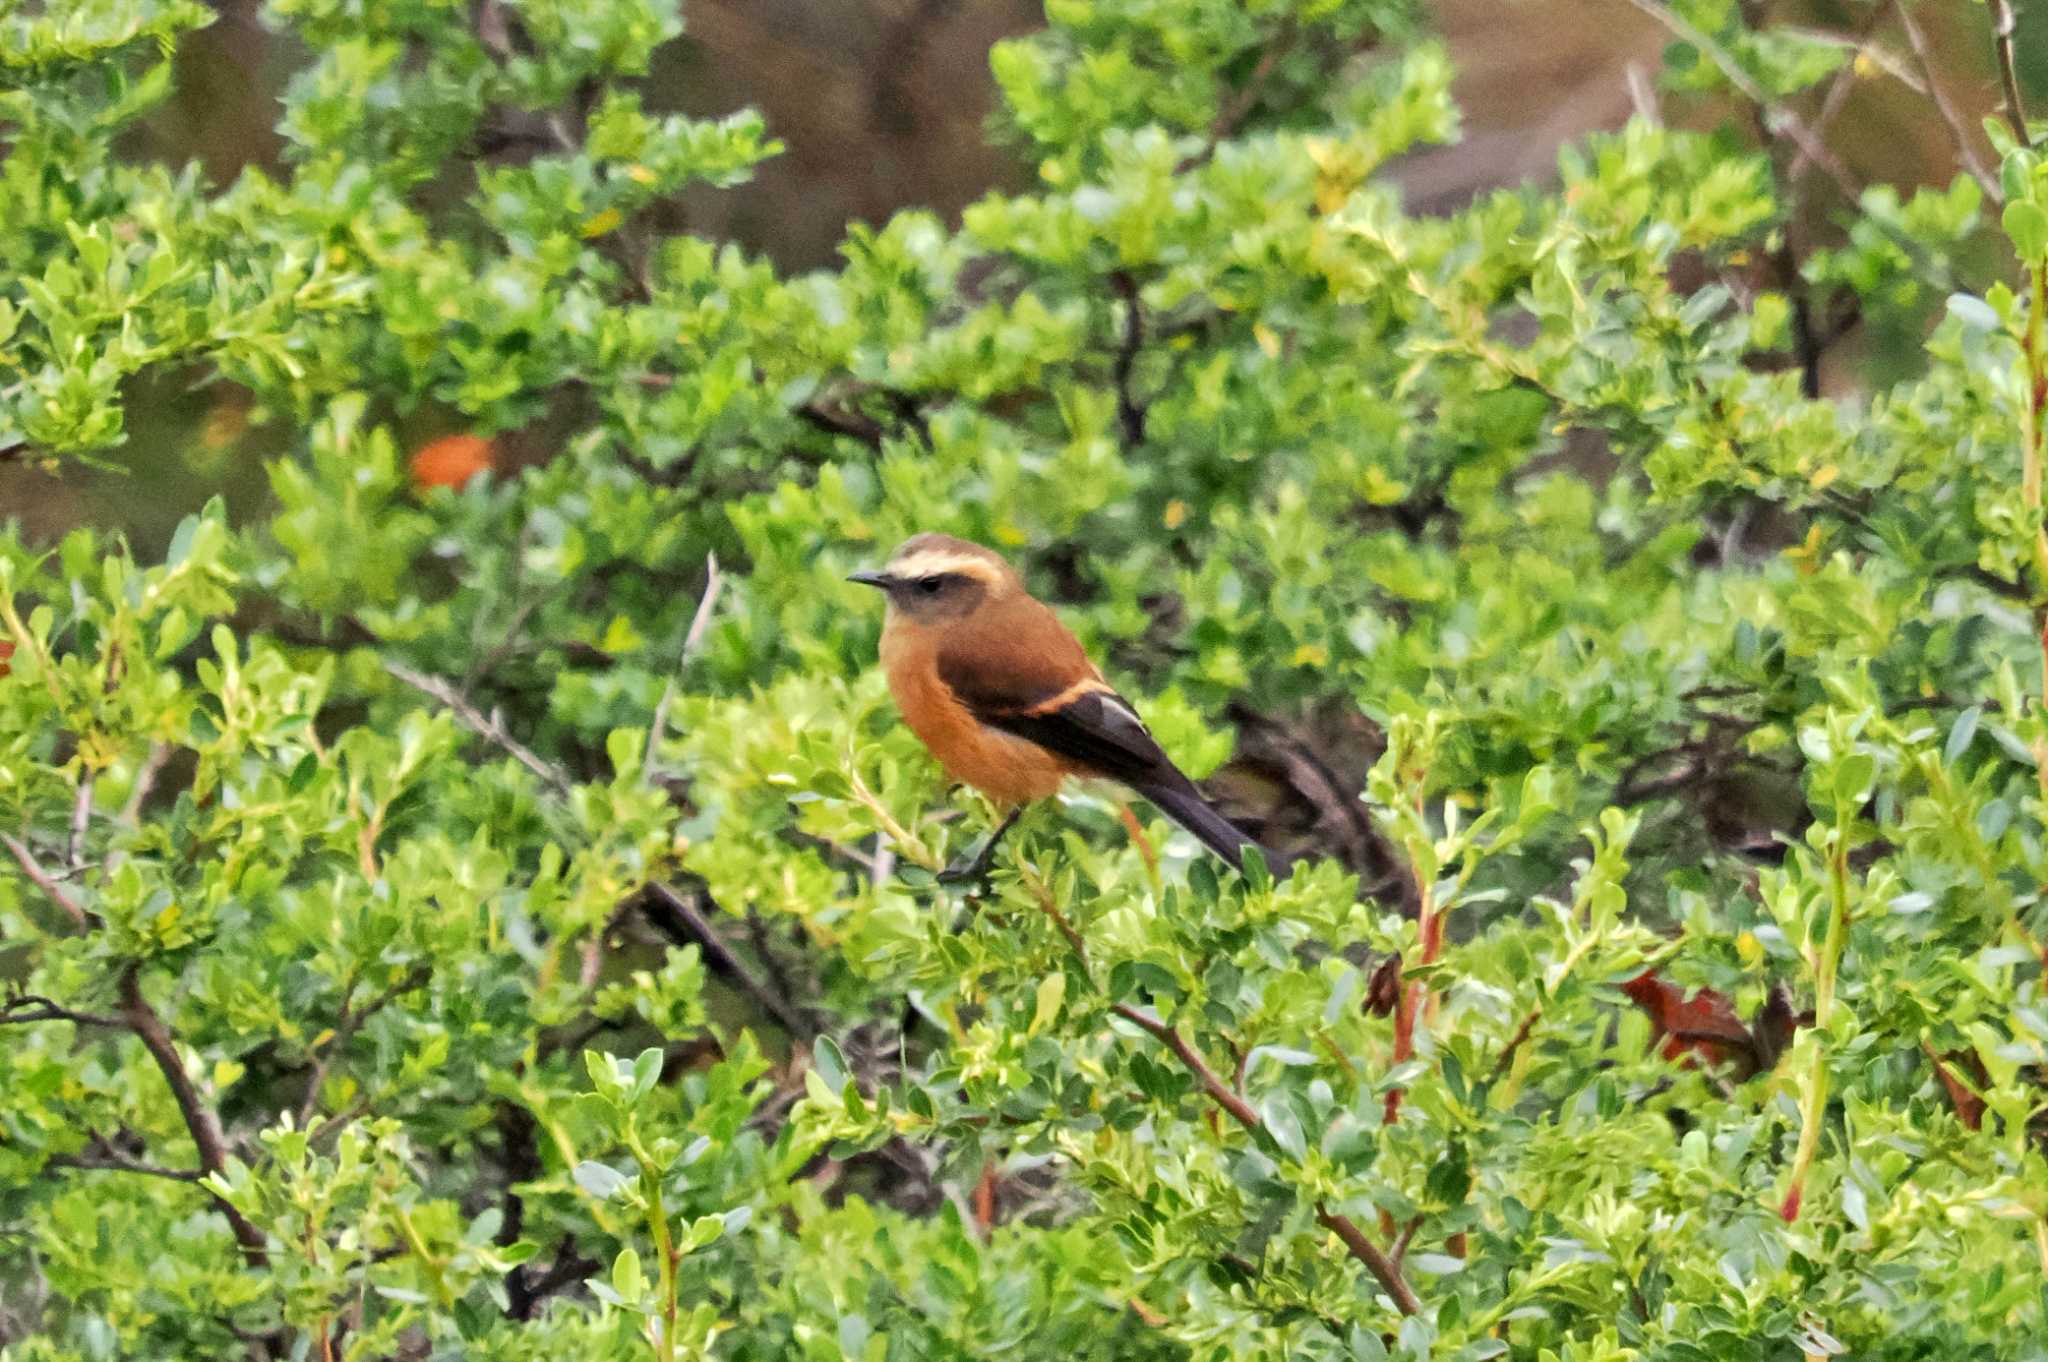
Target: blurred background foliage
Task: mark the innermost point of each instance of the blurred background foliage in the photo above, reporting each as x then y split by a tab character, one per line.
883	104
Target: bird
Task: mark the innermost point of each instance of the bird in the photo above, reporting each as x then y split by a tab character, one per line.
1008	701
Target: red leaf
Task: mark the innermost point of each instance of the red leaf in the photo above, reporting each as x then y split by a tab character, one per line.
1704	1024
1969	1107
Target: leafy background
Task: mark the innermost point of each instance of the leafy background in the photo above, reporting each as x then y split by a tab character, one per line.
474	899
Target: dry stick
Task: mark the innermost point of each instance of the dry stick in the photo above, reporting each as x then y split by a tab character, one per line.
2003	21
713	580
1383	1268
42	880
1966	153
200	1119
483	725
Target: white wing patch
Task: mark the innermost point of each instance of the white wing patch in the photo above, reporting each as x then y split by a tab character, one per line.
1118	715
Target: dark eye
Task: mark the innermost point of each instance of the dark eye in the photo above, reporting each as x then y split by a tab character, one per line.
930	585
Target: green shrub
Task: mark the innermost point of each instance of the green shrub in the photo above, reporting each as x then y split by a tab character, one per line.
496	921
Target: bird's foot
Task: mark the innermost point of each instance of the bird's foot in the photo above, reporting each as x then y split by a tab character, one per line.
971	869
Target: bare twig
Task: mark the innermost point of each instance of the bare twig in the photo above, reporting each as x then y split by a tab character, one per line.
42	880
1355	1240
1399	1252
1965	152
713	581
487	726
2004	20
200	1119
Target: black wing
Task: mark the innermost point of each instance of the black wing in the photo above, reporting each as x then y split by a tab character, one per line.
1096	729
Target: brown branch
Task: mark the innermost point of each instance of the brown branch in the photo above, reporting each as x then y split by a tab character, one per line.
486	726
200	1119
42	880
45	1010
1515	1042
1231	115
2003	22
1383	1268
1965	152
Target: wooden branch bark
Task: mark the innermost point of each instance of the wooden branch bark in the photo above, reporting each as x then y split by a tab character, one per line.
200	1119
1355	1240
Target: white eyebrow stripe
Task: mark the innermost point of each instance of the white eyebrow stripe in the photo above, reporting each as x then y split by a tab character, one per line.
934	562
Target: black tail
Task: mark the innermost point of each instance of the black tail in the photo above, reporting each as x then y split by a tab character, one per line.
1185	806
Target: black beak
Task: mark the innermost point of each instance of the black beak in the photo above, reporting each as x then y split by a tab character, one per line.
880	579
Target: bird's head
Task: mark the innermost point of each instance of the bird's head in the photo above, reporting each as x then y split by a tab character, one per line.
935	578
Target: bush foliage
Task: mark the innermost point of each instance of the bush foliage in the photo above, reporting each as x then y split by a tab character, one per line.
496	920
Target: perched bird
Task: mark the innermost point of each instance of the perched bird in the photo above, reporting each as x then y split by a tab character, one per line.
1008	701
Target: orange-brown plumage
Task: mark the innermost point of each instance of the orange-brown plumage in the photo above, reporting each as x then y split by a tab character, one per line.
1006	698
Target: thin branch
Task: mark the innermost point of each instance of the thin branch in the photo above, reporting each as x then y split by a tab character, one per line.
1399	1253
42	880
1230	116
487	726
2004	20
1965	152
200	1119
678	918
45	1010
1776	115
1383	1268
713	581
1129	413
1515	1042
681	920
116	1163
145	781
345	1028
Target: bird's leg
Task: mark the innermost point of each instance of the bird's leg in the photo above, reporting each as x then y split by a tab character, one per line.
975	869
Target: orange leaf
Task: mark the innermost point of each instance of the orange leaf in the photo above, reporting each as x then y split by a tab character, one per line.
452	460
